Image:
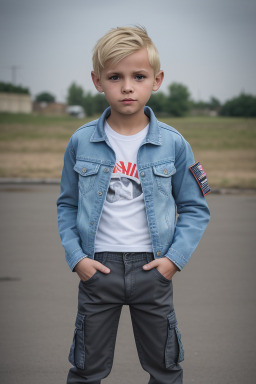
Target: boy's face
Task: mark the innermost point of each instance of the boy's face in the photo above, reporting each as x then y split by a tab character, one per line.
128	84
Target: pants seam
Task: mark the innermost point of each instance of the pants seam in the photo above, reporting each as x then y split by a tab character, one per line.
139	346
113	335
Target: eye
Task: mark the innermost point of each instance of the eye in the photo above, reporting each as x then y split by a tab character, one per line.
114	77
140	77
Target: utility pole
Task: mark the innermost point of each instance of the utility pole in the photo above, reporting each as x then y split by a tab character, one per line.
14	71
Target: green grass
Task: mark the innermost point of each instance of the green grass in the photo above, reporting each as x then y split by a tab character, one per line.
217	133
33	127
33	119
202	132
33	146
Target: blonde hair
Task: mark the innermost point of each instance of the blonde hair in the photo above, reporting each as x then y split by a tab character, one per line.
120	42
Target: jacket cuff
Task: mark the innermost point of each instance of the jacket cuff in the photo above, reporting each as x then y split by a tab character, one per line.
177	258
74	259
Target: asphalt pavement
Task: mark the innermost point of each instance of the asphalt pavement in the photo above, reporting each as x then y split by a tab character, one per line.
214	296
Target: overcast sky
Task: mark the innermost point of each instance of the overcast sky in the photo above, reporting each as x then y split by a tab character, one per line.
208	45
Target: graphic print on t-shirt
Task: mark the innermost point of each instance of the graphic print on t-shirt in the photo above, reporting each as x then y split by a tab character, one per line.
125	183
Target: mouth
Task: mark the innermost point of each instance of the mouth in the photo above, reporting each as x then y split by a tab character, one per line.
127	101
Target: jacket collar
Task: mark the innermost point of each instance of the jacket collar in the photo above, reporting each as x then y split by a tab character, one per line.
153	136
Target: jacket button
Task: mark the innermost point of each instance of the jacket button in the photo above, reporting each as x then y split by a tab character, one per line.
99	193
165	171
142	174
106	170
158	253
84	170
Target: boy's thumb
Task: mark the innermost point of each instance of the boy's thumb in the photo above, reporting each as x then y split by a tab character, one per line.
102	268
150	265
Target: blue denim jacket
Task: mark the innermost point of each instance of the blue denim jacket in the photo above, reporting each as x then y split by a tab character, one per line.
169	189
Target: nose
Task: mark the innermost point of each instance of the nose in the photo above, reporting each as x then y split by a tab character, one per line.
127	86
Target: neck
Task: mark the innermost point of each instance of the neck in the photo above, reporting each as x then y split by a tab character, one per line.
129	124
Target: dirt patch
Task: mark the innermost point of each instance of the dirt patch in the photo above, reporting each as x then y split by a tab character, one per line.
31	146
31	165
229	168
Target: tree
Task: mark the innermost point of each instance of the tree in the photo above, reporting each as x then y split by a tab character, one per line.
88	104
242	106
45	97
10	88
100	103
75	95
94	104
214	103
178	100
158	102
199	105
203	107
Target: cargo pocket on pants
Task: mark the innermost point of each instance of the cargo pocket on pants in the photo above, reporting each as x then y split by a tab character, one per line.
77	351
174	352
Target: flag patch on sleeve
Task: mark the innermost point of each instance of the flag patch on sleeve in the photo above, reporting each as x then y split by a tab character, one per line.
200	176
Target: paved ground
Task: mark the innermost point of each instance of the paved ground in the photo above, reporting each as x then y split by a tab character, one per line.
214	296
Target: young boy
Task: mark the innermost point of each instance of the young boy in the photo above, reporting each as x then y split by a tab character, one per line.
125	177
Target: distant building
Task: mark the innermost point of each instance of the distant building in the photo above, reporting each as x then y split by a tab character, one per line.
15	102
204	112
76	110
44	108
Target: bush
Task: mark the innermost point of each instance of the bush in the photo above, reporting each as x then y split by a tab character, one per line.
45	97
241	106
10	88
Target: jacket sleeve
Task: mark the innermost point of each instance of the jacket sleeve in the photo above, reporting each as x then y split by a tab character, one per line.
67	207
192	209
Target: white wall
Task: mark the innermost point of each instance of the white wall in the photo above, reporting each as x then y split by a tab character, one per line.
15	103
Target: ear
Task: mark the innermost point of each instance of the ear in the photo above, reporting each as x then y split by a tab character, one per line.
96	81
158	80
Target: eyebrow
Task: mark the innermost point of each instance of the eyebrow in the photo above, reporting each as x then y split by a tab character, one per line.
118	73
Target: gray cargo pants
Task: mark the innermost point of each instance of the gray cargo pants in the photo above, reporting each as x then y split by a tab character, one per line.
150	298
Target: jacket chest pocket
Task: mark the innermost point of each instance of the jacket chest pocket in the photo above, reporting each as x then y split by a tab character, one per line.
87	174
163	177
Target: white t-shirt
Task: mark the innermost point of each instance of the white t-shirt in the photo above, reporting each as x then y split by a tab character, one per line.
123	225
